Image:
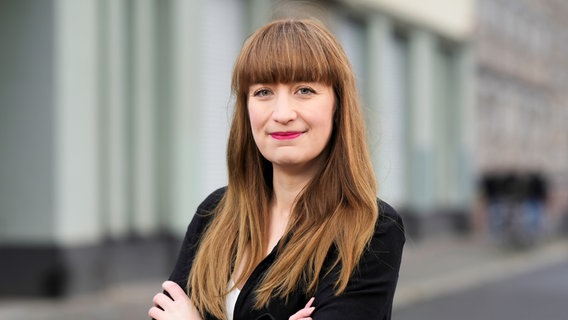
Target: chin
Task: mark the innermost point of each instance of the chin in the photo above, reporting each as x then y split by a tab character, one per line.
286	162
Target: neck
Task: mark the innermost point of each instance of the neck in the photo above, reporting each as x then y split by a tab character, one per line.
286	188
288	182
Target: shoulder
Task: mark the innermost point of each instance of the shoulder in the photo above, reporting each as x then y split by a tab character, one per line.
370	291
211	201
380	262
388	221
383	253
204	214
194	232
388	240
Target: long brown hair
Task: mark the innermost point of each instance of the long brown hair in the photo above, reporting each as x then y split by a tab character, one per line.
337	208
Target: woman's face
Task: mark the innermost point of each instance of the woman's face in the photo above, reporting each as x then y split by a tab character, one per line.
291	123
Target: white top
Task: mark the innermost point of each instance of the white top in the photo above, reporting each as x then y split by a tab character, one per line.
231	300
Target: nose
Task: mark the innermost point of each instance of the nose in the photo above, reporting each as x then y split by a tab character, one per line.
283	109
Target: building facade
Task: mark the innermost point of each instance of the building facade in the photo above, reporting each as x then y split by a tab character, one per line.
522	93
114	117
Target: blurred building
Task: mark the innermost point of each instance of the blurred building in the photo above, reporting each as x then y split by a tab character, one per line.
522	93
114	117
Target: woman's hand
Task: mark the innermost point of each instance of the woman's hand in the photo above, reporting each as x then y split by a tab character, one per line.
304	314
180	308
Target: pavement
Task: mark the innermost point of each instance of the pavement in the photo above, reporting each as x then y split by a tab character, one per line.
434	266
446	264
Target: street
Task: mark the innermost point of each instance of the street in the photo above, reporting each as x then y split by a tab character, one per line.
540	294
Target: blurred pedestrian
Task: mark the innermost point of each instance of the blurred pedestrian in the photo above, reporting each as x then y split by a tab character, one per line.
299	217
493	190
534	203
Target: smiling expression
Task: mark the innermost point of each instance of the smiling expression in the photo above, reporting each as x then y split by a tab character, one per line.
291	123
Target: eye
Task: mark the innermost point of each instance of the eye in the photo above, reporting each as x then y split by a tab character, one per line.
263	92
306	91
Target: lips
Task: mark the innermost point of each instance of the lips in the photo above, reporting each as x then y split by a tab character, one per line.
287	135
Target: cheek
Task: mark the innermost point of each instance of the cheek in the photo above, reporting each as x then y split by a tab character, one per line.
326	120
329	114
254	117
257	120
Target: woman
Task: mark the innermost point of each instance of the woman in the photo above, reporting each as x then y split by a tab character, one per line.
299	217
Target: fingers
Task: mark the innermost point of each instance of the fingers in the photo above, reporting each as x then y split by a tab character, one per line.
155	312
309	304
174	290
304	314
162	300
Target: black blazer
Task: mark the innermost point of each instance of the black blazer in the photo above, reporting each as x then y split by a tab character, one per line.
369	293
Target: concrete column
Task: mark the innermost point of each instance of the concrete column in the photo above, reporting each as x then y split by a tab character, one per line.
446	131
386	92
465	184
216	105
378	34
165	68
185	101
27	124
76	123
114	93
421	90
144	219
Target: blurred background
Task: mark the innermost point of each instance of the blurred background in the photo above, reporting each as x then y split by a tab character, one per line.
114	117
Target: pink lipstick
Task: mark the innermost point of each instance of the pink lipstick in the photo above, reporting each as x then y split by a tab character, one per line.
288	135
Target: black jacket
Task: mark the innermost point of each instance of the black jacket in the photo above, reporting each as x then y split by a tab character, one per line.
369	293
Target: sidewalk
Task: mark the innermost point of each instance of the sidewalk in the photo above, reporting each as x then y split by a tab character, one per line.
432	267
446	263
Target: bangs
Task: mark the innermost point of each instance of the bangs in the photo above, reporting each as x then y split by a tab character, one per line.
284	53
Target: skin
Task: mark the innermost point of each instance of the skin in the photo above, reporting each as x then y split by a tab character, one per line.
304	109
304	314
179	308
291	125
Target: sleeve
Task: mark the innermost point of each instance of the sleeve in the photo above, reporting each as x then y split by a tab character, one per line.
370	291
193	234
